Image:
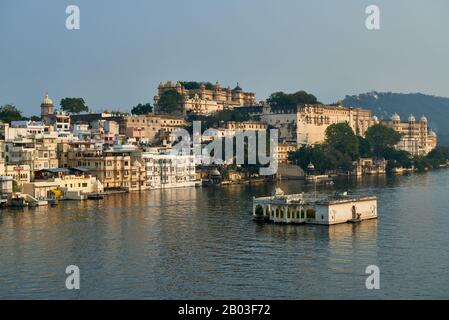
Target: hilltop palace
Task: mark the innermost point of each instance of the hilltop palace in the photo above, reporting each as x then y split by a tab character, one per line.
207	100
307	124
300	125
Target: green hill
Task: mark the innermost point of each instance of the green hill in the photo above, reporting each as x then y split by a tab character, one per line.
384	104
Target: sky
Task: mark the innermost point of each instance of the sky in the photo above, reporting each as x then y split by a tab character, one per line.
124	49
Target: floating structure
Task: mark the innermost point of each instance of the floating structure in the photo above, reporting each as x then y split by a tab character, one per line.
305	208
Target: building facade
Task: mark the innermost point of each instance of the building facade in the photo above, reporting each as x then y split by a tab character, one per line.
416	137
169	171
307	124
120	167
207	99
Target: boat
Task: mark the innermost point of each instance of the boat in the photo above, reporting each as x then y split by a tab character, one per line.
95	196
18	202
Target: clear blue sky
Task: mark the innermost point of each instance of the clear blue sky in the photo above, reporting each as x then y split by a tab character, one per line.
125	48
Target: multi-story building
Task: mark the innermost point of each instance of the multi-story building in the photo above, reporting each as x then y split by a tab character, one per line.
307	124
416	137
60	121
282	151
202	98
24	128
150	127
119	167
169	171
18	172
38	152
230	128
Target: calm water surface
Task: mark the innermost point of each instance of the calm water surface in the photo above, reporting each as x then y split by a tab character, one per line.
202	243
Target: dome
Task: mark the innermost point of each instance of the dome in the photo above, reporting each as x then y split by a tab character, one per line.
375	119
215	173
432	134
47	100
423	119
310	166
395	117
238	88
411	118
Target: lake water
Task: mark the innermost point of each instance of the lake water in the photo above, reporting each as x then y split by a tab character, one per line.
201	243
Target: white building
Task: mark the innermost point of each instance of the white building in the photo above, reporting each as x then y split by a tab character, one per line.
22	129
325	210
169	171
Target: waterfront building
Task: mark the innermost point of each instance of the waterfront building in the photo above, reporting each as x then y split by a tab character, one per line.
313	209
205	98
282	151
38	152
120	167
164	170
73	187
416	137
369	166
6	183
21	173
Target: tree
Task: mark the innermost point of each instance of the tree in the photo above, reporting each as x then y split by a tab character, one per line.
438	156
397	158
322	156
170	102
9	113
381	138
142	109
281	99
73	105
364	148
341	137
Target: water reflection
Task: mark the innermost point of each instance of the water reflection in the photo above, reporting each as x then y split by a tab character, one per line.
202	243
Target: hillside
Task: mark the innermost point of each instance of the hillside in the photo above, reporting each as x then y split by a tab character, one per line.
384	104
